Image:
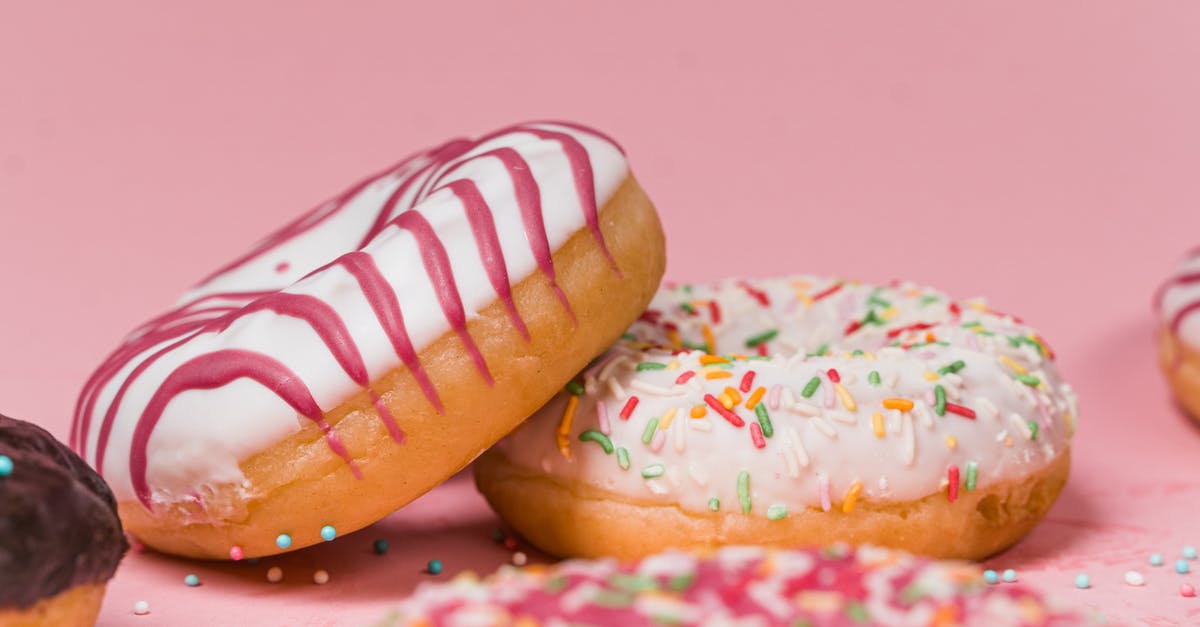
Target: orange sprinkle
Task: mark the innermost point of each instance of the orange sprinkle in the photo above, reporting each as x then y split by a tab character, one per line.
699	411
709	339
564	427
755	397
903	404
717	374
708	360
726	402
673	335
733	395
851	496
877	423
930	338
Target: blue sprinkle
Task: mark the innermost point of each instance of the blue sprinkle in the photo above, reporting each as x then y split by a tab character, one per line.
1181	567
434	567
328	533
283	541
380	546
6	465
192	581
1009	575
1156	559
1189	552
991	576
1083	582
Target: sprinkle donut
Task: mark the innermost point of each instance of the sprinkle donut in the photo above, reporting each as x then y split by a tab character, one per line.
835	585
365	352
790	412
1178	303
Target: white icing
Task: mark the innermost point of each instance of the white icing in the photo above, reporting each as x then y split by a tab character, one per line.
1175	296
824	435
203	434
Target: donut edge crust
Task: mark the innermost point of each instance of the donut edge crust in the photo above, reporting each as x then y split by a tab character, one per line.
1180	365
575	520
299	485
76	606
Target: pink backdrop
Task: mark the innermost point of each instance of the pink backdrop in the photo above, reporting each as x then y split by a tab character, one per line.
1042	155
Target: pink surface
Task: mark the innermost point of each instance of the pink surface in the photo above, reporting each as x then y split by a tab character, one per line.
1043	156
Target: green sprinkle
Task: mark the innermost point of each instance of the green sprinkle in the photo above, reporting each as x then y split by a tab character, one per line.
613	598
623	458
687	307
696	346
1033	430
556	584
878	302
912	593
759	358
591	435
666	619
776	512
575	388
714	504
873	378
764	419
679	583
972	475
857	612
972	324
939	404
629	336
812	386
1028	379
822	349
1014	341
650	365
632	583
871	319
652	471
857	352
766	336
743	488
929	299
954	367
686	287
648	432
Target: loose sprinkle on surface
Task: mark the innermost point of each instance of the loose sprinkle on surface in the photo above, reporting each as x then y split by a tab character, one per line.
141	608
274	574
6	466
1009	575
1082	581
380	546
321	577
434	567
191	580
1134	578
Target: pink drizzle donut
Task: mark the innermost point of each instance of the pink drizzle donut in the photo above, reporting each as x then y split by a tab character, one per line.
1178	304
402	308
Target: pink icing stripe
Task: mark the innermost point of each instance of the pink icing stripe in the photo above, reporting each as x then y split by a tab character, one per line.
1182	314
1176	281
388	419
438	156
214	370
437	267
387	309
483	226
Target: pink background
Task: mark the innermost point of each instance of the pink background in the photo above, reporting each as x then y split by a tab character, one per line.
1043	155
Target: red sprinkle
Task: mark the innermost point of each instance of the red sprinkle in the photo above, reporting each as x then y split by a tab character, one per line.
733	418
852	327
758	295
834	376
747	382
832	289
1042	341
920	326
630	404
510	543
954	310
714	310
952	491
683	378
651	315
965	412
756	436
762	349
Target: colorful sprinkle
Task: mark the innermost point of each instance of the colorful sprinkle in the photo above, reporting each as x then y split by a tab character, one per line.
1012	365
283	541
953	367
755	398
380	546
733	418
1189	552
685	377
939	395
236	554
952	488
902	404
591	435
823	492
851	497
434	567
743	490
747	382
764	420
844	395
1028	379
951	442
733	395
766	336
972	475
698	411
812	386
965	412
710	342
574	388
756	435
648	432
713	375
1009	575
623	458
1082	581
873	378
714	504
564	427
877	425
1033	429
627	410
777	512
191	580
833	375
652	471
1187	590
651	365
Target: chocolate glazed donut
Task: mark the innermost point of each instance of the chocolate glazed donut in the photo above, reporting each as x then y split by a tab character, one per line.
60	538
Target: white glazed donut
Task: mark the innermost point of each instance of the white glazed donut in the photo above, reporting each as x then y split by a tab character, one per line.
826	410
362	354
1178	303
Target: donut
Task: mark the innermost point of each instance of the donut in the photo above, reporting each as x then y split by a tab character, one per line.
1178	303
60	538
742	585
790	412
368	350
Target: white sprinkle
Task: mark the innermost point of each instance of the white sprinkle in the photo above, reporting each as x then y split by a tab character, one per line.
680	431
616	389
797	446
789	398
605	373
844	418
1134	578
700	424
697	474
828	386
141	608
823	486
656	390
695	385
804	409
987	407
824	427
657	440
589	385
520	558
656	487
321	577
952	393
1022	426
848	378
953	378
923	414
789	459
773	397
891	380
908	452
893	421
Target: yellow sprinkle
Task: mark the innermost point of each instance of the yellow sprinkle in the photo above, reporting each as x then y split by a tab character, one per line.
674	365
755	397
667	417
889	313
739	357
951	442
912	292
1017	368
805	298
725	400
844	394
708	360
718	374
733	395
869	356
977	307
851	497
877	422
930	375
903	404
847	356
673	335
699	411
709	339
564	427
